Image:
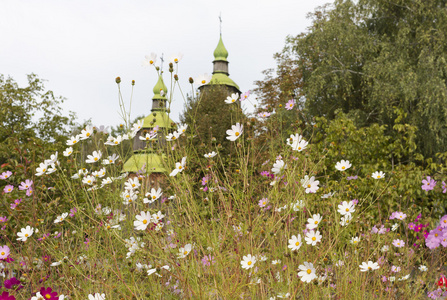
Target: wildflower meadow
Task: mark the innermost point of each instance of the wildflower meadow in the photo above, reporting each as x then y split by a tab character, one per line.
293	218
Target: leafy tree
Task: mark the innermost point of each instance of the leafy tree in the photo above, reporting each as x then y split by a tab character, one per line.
31	118
378	61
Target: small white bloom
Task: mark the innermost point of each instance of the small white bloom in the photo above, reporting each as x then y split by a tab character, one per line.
295	242
378	175
310	184
61	218
278	166
231	99
423	268
313	222
25	233
343	165
68	151
354	240
210	155
96	156
248	261
235	132
312	237
184	251
179	167
307	272
202	79
369	266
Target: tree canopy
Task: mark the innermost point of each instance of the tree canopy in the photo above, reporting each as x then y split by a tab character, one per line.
378	61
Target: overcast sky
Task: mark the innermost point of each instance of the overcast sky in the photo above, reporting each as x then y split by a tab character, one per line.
80	47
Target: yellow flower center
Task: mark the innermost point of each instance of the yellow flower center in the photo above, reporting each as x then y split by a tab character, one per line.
48	296
116	142
297	243
176	60
173	137
153	197
203	81
144	221
87	134
185	253
3	253
95	159
74	141
316	222
309	186
343	167
180	167
314	239
249	263
309	271
43	170
236	133
232	100
369	268
378	176
299	148
436	235
151	62
26	234
347	209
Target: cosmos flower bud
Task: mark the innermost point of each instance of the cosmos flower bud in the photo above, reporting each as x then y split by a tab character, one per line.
176	77
171	65
117	79
133	82
191	80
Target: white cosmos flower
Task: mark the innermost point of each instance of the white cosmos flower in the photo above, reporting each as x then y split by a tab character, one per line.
345	220
278	166
157	217
312	237
61	218
346	208
210	155
42	169
175	58
368	266
110	160
423	268
354	240
172	136
313	222
378	175
132	184
97	296
248	261
68	151
89	179
182	128
179	167
235	132
202	79
149	59
153	195
73	140
307	272
297	142
143	220
231	99
96	156
310	184
25	233
343	165
295	242
86	133
148	137
184	251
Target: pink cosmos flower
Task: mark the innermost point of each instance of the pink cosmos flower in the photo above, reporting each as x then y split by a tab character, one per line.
395	269
428	184
244	96
443	221
290	104
5	175
3	219
444	187
25	185
398	243
263	202
4	252
8	189
29	191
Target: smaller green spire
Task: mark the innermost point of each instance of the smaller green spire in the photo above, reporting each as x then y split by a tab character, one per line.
160	86
221	52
